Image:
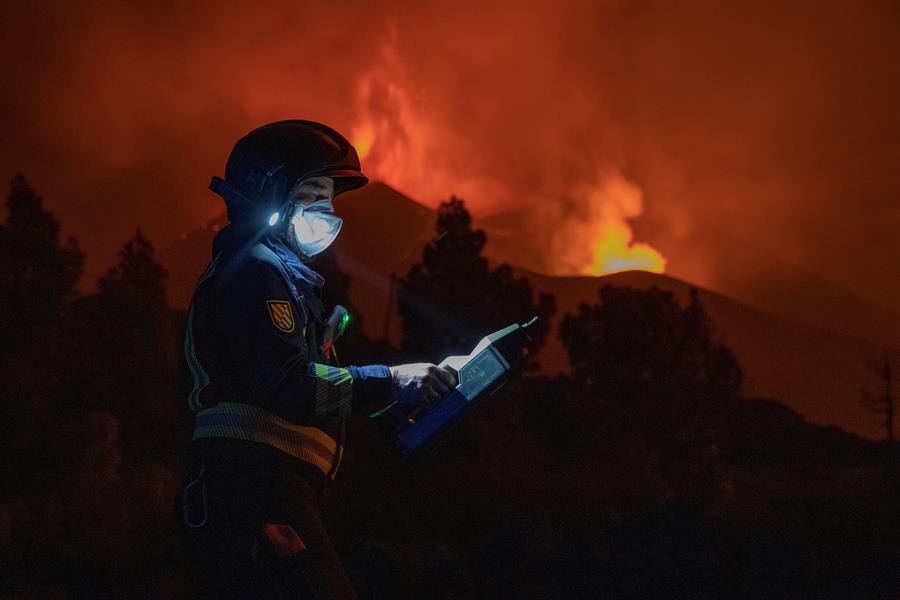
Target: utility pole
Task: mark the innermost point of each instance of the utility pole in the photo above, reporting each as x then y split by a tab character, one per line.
882	405
390	306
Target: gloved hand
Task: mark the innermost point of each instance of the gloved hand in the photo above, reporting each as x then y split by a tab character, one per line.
415	384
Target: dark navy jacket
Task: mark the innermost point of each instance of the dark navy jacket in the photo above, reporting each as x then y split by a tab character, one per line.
253	347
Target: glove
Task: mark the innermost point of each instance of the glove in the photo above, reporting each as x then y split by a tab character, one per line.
416	384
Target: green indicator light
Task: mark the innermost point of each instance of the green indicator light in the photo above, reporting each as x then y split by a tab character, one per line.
344	321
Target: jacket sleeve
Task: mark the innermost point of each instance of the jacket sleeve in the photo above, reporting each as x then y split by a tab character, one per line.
269	338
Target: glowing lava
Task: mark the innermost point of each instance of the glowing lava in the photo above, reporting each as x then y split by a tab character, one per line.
584	231
590	233
362	141
615	252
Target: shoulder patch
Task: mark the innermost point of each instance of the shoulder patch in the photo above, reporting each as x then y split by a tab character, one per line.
281	314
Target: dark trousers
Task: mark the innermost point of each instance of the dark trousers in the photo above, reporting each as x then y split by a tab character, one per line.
248	485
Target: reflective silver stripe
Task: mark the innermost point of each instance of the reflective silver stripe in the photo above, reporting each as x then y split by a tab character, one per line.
334	391
198	374
251	423
201	379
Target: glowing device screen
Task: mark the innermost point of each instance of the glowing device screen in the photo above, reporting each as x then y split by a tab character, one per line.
479	373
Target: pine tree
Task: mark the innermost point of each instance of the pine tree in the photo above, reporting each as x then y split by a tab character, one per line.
453	298
640	346
131	366
133	323
37	279
654	377
138	280
37	273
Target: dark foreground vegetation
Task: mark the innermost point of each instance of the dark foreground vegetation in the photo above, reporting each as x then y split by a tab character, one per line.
643	474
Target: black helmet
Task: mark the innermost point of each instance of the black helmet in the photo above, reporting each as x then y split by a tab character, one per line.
268	162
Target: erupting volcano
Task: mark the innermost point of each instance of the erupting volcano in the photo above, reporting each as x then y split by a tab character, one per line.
402	148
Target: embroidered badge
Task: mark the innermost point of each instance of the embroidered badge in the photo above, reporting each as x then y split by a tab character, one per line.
281	314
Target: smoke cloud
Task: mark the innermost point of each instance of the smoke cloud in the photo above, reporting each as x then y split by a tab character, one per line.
752	134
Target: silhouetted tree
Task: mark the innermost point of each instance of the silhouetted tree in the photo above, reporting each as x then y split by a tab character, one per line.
37	273
129	351
447	302
37	278
453	298
641	343
134	323
138	280
658	381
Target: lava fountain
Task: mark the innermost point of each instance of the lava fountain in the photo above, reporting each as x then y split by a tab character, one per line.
409	146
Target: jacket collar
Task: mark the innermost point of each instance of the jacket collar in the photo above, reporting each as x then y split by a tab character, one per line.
235	241
296	266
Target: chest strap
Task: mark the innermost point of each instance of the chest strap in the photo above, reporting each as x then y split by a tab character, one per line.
253	424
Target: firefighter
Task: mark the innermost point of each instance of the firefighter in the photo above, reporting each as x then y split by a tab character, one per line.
269	407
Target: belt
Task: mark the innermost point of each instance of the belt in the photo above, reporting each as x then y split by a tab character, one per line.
254	424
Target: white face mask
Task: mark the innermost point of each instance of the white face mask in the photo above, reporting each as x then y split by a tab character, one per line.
315	226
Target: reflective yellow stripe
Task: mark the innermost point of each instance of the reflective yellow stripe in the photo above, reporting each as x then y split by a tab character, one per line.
253	424
334	391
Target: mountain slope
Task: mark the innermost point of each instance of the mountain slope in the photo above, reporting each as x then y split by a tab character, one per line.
756	276
815	371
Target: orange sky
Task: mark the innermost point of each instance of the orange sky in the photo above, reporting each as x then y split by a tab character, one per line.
752	135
